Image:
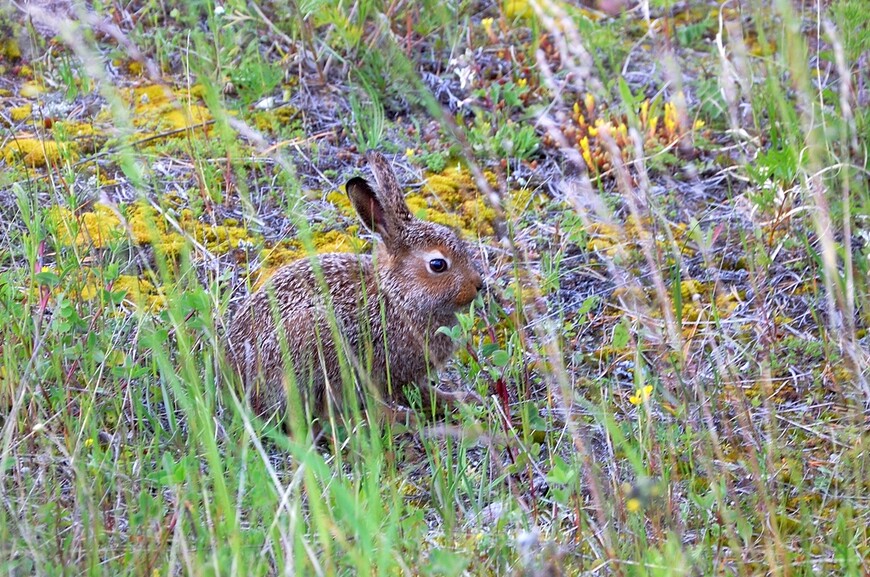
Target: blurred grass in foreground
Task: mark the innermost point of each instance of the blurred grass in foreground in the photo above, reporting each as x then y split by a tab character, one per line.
707	432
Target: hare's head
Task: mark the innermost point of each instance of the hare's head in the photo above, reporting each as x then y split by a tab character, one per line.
423	265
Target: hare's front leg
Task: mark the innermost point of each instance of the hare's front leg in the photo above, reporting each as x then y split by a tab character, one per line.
444	399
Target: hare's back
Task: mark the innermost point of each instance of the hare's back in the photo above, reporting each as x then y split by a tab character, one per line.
292	303
299	288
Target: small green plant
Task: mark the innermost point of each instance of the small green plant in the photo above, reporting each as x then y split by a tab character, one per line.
435	161
495	131
367	122
254	78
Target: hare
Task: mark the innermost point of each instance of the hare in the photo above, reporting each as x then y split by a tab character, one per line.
382	311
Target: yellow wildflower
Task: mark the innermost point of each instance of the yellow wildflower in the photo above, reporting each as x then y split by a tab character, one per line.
641	395
589	101
653	125
670	118
517	9
487	25
585	151
622	131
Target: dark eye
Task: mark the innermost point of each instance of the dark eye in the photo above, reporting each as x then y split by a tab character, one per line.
438	265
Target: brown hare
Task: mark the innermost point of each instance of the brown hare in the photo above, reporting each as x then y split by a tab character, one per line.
382	311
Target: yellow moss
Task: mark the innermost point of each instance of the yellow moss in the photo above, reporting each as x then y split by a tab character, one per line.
420	208
220	238
452	198
679	230
158	108
524	199
272	120
102	224
697	300
691	313
145	226
9	49
455	184
78	129
726	303
326	242
442	184
263	122
135	68
341	202
30	89
631	293
5	92
198	91
478	217
186	117
20	113
141	292
149	227
36	153
96	228
689	288
279	254
337	241
604	237
287	251
417	205
153	95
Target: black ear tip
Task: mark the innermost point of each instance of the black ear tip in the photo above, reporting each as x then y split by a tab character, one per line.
356	182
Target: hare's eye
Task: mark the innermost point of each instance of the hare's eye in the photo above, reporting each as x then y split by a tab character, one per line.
437	265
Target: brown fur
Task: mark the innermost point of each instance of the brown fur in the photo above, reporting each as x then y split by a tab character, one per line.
291	312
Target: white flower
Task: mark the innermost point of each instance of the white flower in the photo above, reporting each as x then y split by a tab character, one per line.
463	68
267	103
466	76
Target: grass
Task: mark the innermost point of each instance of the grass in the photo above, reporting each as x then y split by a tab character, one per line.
673	347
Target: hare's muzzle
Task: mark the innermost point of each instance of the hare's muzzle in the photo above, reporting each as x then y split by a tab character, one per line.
473	285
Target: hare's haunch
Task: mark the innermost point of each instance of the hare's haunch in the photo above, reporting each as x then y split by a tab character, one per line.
383	312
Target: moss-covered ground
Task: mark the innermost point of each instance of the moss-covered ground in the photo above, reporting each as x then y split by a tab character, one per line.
671	203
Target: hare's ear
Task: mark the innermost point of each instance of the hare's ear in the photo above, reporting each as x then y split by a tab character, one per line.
389	191
372	212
